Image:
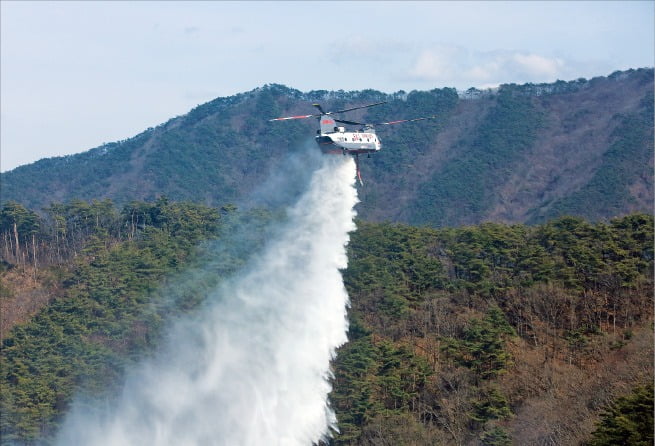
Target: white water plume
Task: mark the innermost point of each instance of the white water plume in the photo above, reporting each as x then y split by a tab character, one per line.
253	368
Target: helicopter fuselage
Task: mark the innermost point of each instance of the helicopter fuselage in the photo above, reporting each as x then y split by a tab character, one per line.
334	139
348	142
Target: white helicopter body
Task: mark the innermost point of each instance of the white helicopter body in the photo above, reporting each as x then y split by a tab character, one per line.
334	139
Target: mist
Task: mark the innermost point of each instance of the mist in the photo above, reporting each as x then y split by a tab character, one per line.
251	367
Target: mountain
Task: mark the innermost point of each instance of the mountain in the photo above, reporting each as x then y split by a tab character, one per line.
521	153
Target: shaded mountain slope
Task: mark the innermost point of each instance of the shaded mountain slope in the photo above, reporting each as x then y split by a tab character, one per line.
519	154
530	153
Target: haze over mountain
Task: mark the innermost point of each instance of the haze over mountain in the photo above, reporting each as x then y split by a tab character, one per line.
522	153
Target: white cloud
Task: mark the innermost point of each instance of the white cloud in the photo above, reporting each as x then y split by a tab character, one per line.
538	65
451	64
364	50
435	63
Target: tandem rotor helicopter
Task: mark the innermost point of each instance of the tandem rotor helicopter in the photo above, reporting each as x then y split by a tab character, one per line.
334	139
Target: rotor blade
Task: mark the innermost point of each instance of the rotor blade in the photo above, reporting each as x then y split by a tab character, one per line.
319	108
293	117
357	108
323	112
405	120
384	123
349	122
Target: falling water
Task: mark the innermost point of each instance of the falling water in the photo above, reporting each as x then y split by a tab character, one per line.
253	368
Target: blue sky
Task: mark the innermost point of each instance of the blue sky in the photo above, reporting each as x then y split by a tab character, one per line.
75	75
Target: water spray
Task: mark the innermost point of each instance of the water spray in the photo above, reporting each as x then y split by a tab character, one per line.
253	367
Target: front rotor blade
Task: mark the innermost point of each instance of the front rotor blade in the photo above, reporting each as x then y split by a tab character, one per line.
357	108
293	117
404	120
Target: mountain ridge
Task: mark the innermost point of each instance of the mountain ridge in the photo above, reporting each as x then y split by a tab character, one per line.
521	153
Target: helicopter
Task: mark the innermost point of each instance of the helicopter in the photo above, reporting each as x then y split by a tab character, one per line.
334	139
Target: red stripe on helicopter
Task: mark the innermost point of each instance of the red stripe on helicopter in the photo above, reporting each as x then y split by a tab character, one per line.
327	121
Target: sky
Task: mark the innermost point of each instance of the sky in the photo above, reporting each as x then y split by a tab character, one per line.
75	75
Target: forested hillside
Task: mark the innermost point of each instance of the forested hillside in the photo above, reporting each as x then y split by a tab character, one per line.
522	153
86	292
497	334
487	334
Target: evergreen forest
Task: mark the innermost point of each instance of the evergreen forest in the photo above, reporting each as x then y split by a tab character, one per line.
489	334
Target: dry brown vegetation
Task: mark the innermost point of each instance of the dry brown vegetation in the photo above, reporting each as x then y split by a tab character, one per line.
507	359
24	291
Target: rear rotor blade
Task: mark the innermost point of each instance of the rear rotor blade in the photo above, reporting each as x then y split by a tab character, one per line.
404	120
357	108
294	117
343	121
